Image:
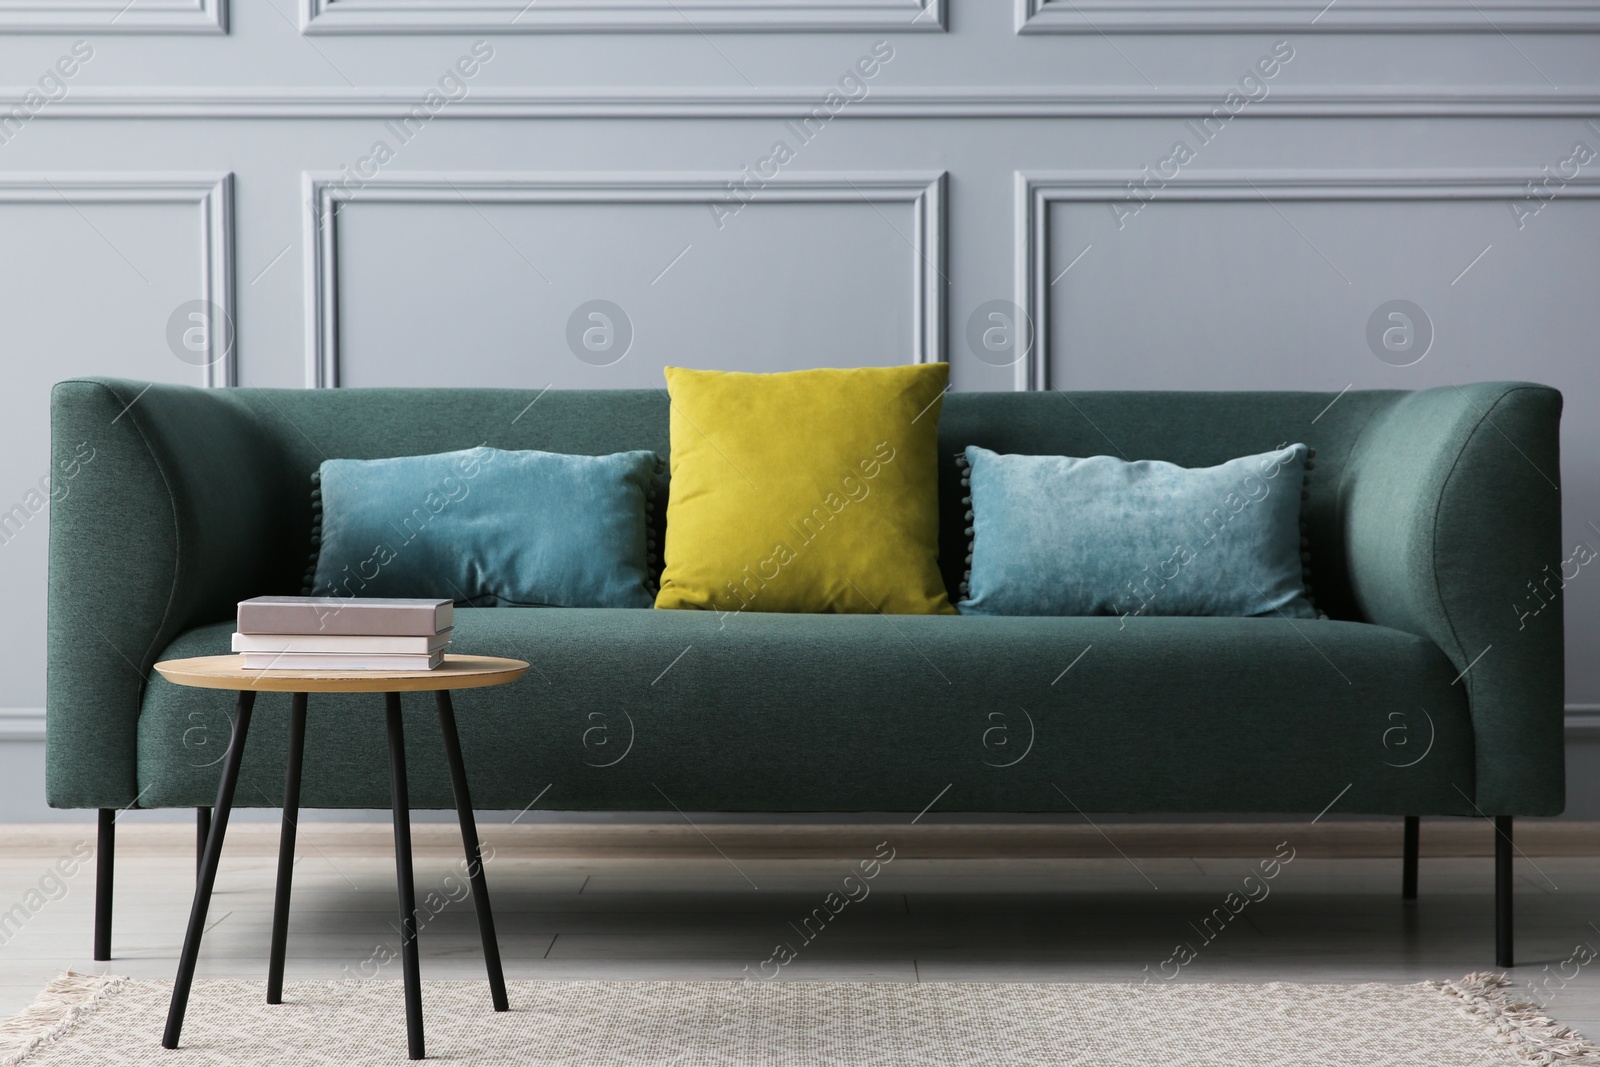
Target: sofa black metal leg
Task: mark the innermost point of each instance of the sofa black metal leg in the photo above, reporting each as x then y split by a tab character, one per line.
286	836
208	872
202	830
1502	892
473	847
104	855
401	800
1408	864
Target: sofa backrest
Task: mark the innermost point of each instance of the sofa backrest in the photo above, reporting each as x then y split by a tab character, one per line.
294	430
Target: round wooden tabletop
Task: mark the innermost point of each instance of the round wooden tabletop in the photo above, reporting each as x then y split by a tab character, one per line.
227	672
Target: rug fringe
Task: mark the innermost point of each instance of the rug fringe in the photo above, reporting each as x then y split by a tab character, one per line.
63	1004
1534	1036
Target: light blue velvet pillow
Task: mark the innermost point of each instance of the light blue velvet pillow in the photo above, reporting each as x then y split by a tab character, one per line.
1055	535
489	528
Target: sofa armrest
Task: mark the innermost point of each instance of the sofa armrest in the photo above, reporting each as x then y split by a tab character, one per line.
163	516
1452	507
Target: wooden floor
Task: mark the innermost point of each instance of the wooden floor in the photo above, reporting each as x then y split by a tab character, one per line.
1063	904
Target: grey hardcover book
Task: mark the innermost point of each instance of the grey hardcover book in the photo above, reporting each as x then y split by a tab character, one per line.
366	616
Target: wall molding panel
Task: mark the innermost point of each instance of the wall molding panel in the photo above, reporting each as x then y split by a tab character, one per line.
620	16
1583	721
240	102
21	724
1037	191
326	193
212	194
1307	16
101	17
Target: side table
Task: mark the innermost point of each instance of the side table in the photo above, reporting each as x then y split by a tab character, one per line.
227	672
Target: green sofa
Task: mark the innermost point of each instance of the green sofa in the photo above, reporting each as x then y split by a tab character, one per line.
1425	692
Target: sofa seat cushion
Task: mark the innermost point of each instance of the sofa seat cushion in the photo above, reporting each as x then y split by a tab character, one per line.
647	710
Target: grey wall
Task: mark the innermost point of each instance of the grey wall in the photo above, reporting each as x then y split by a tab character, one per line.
198	153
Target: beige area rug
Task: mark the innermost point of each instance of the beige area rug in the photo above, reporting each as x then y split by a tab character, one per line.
99	1021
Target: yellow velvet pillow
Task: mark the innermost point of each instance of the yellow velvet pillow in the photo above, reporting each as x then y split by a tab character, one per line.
810	491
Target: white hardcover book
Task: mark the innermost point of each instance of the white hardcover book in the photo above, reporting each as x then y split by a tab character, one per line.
331	661
342	644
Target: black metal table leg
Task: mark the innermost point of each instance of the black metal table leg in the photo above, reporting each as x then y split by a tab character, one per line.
403	875
473	848
208	871
202	830
291	815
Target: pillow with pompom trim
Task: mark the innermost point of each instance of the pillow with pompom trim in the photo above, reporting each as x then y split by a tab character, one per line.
489	528
1060	535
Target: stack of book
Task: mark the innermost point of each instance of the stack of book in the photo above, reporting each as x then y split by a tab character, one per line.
305	633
